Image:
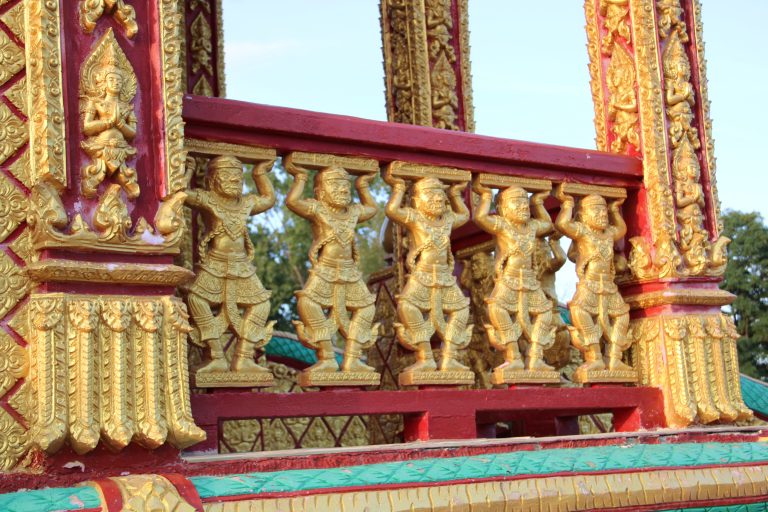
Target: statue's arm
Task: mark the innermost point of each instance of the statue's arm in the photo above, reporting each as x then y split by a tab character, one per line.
482	214
394	208
128	126
459	207
265	199
544	221
91	124
617	220
564	221
294	200
367	203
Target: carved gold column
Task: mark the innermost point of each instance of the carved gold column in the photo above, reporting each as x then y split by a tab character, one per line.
648	80
426	62
101	187
204	48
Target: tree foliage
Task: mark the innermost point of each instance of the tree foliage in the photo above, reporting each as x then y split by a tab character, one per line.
747	277
282	239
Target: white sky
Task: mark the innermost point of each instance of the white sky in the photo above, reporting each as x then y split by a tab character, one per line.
529	66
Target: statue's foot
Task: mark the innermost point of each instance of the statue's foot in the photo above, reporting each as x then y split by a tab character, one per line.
428	365
450	364
539	364
515	364
355	365
247	365
619	365
214	365
324	365
592	366
132	190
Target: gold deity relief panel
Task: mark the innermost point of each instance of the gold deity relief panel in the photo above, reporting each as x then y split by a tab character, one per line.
106	198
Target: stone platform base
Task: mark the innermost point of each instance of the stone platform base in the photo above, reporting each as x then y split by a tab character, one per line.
437	378
605	376
506	376
231	379
338	379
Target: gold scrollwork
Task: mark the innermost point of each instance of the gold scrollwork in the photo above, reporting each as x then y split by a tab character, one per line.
92	10
46	101
693	359
84	402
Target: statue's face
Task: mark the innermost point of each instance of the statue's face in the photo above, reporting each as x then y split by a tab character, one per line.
515	209
114	83
596	216
431	202
229	181
337	193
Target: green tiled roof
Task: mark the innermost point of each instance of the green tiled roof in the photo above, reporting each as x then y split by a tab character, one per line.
283	346
49	500
501	465
755	394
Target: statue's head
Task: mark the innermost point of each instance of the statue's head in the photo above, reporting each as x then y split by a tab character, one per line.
429	197
112	80
332	187
513	204
594	212
225	175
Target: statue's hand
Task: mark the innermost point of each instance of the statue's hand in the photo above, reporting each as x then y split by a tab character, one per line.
293	169
481	189
394	181
457	188
616	204
539	197
363	180
263	167
563	197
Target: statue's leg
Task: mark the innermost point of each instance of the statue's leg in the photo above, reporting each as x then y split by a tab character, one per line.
254	321
542	337
587	338
200	309
359	336
126	177
415	334
507	334
618	342
456	338
315	331
92	176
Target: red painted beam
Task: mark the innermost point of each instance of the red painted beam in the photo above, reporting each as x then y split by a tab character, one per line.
437	413
287	129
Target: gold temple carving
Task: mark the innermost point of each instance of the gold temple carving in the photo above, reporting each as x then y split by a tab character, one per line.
599	314
92	10
225	277
431	291
335	282
107	88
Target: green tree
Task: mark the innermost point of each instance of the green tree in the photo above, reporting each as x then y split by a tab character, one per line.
282	239
747	277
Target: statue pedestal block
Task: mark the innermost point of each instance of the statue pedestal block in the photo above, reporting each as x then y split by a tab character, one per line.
435	377
338	379
605	376
230	379
507	376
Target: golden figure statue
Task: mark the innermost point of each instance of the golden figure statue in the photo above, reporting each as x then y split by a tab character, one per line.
517	307
548	258
108	86
431	287
226	279
598	311
335	283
